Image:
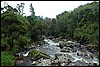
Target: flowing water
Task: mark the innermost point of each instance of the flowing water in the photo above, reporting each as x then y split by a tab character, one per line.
52	48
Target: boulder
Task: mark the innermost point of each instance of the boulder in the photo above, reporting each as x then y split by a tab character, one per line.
35	54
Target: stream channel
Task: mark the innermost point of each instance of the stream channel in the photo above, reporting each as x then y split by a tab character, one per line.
66	56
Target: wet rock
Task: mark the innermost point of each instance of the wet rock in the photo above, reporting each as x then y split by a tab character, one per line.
50	37
90	64
77	63
65	49
78	45
55	61
66	44
95	64
19	62
43	37
61	44
53	39
64	40
74	50
71	64
26	62
34	63
61	58
44	62
56	40
93	48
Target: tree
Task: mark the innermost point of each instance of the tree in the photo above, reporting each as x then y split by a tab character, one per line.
14	31
32	12
20	8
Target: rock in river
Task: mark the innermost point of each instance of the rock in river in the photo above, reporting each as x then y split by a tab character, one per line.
65	49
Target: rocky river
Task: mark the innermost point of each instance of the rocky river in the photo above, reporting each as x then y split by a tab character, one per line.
62	53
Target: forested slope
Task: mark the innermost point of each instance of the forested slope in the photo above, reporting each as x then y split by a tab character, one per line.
19	31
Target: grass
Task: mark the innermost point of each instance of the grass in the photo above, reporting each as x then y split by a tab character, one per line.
7	59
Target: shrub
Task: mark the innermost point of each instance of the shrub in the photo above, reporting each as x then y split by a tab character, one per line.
7	59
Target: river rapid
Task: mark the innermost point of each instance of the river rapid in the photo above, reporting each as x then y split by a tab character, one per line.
66	56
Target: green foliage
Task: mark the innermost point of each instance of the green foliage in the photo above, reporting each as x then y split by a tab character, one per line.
87	22
32	12
14	29
4	42
17	31
81	24
7	59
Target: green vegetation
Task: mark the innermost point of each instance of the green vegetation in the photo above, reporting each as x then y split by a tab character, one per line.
14	34
14	31
19	31
37	54
7	59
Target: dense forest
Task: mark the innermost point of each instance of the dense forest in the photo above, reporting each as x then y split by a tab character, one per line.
19	31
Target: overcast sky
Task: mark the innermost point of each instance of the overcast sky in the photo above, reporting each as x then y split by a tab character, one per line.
48	8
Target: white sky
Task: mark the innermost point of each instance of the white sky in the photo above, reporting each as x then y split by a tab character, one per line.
48	8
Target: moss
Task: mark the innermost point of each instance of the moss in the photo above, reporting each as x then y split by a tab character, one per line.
37	54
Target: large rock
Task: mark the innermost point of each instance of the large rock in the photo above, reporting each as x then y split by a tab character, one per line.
35	54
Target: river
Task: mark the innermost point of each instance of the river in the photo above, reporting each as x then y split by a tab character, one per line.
78	57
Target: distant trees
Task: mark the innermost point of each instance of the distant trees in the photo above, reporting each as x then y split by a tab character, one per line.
81	24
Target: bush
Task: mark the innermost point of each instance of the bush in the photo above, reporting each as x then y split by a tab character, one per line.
7	59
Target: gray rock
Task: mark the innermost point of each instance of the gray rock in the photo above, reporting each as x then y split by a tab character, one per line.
77	63
19	62
62	58
65	49
66	44
44	62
